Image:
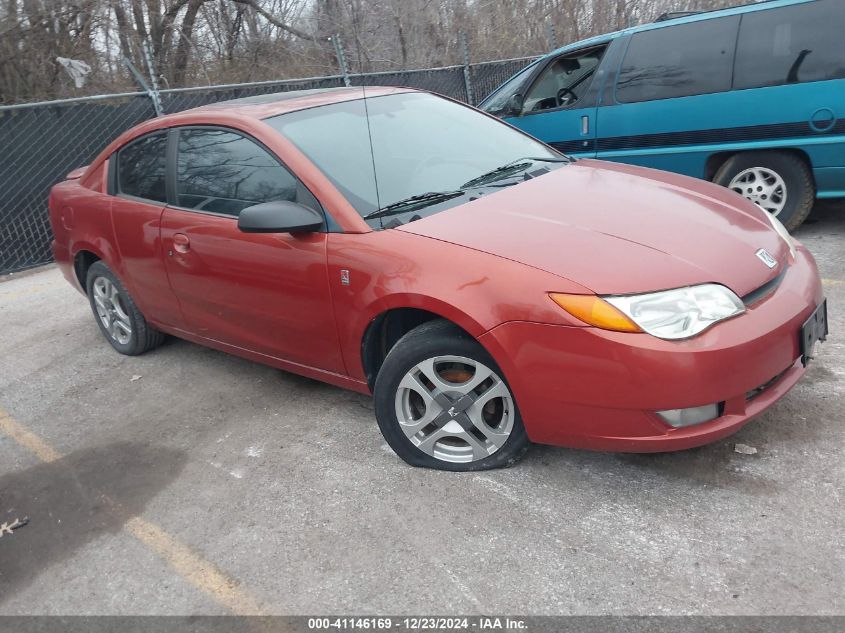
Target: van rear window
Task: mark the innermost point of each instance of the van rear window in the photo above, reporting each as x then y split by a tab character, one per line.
679	61
791	45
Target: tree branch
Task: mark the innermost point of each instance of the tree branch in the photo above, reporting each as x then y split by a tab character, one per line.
272	19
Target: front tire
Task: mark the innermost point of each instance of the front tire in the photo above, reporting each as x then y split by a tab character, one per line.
442	402
778	182
119	319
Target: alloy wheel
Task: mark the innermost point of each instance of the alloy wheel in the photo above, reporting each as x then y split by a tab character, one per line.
455	409
111	310
763	187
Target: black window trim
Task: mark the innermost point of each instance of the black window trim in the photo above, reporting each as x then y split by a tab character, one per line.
113	185
614	57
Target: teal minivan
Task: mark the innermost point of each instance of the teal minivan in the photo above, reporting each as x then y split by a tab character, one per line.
752	98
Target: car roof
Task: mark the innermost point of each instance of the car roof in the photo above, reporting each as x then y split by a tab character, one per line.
244	113
272	104
762	5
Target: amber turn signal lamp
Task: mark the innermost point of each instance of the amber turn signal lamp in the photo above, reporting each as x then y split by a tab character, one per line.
595	311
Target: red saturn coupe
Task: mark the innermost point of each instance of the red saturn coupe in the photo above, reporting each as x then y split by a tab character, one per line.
488	290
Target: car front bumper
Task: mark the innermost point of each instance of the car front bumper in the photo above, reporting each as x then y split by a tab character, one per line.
589	388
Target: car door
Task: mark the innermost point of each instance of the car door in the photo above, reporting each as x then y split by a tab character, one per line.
559	106
137	184
262	292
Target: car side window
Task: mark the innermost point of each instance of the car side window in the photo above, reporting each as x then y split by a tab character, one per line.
224	172
679	61
791	45
564	82
141	167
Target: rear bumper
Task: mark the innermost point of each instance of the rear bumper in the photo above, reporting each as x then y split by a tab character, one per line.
590	388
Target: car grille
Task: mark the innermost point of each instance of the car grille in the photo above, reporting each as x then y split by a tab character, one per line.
750	395
765	290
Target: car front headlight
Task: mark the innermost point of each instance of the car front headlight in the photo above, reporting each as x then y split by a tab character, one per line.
780	229
680	313
669	314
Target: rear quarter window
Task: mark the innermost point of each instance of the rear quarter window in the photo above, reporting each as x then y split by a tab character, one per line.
141	167
678	61
791	45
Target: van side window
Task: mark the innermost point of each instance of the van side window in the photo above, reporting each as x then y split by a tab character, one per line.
791	45
564	82
679	61
497	103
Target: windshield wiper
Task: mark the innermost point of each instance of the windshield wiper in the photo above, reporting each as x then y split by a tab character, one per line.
414	202
513	167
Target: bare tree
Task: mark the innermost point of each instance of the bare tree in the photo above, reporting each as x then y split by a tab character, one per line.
211	41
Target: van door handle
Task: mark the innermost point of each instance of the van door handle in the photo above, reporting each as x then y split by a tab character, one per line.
181	243
585	125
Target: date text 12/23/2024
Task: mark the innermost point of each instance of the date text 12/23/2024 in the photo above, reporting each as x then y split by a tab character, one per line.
485	623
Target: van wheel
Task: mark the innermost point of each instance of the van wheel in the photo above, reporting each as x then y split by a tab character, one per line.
778	182
442	402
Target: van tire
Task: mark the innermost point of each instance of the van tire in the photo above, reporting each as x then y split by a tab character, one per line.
795	173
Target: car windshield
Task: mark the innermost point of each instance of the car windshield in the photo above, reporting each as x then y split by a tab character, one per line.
411	146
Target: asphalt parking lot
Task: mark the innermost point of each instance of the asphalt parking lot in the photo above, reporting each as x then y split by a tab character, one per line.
188	481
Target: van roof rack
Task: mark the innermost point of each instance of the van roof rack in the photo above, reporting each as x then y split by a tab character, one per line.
671	15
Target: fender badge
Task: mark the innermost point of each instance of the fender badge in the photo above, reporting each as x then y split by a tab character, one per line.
766	258
344	277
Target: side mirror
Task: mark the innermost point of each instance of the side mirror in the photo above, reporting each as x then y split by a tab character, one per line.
279	216
514	107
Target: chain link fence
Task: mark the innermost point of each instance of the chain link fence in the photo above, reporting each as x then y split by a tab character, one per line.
485	77
41	143
178	99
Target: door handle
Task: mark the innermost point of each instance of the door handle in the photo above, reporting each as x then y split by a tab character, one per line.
181	243
585	125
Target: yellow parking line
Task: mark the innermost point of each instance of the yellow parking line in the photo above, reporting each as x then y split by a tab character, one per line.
832	282
202	574
26	438
29	291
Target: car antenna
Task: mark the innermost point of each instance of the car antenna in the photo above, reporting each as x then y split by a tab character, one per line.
372	151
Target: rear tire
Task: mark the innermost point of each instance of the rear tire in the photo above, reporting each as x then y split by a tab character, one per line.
442	402
119	319
779	182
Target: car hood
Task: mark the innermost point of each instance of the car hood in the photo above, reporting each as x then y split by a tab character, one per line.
617	229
